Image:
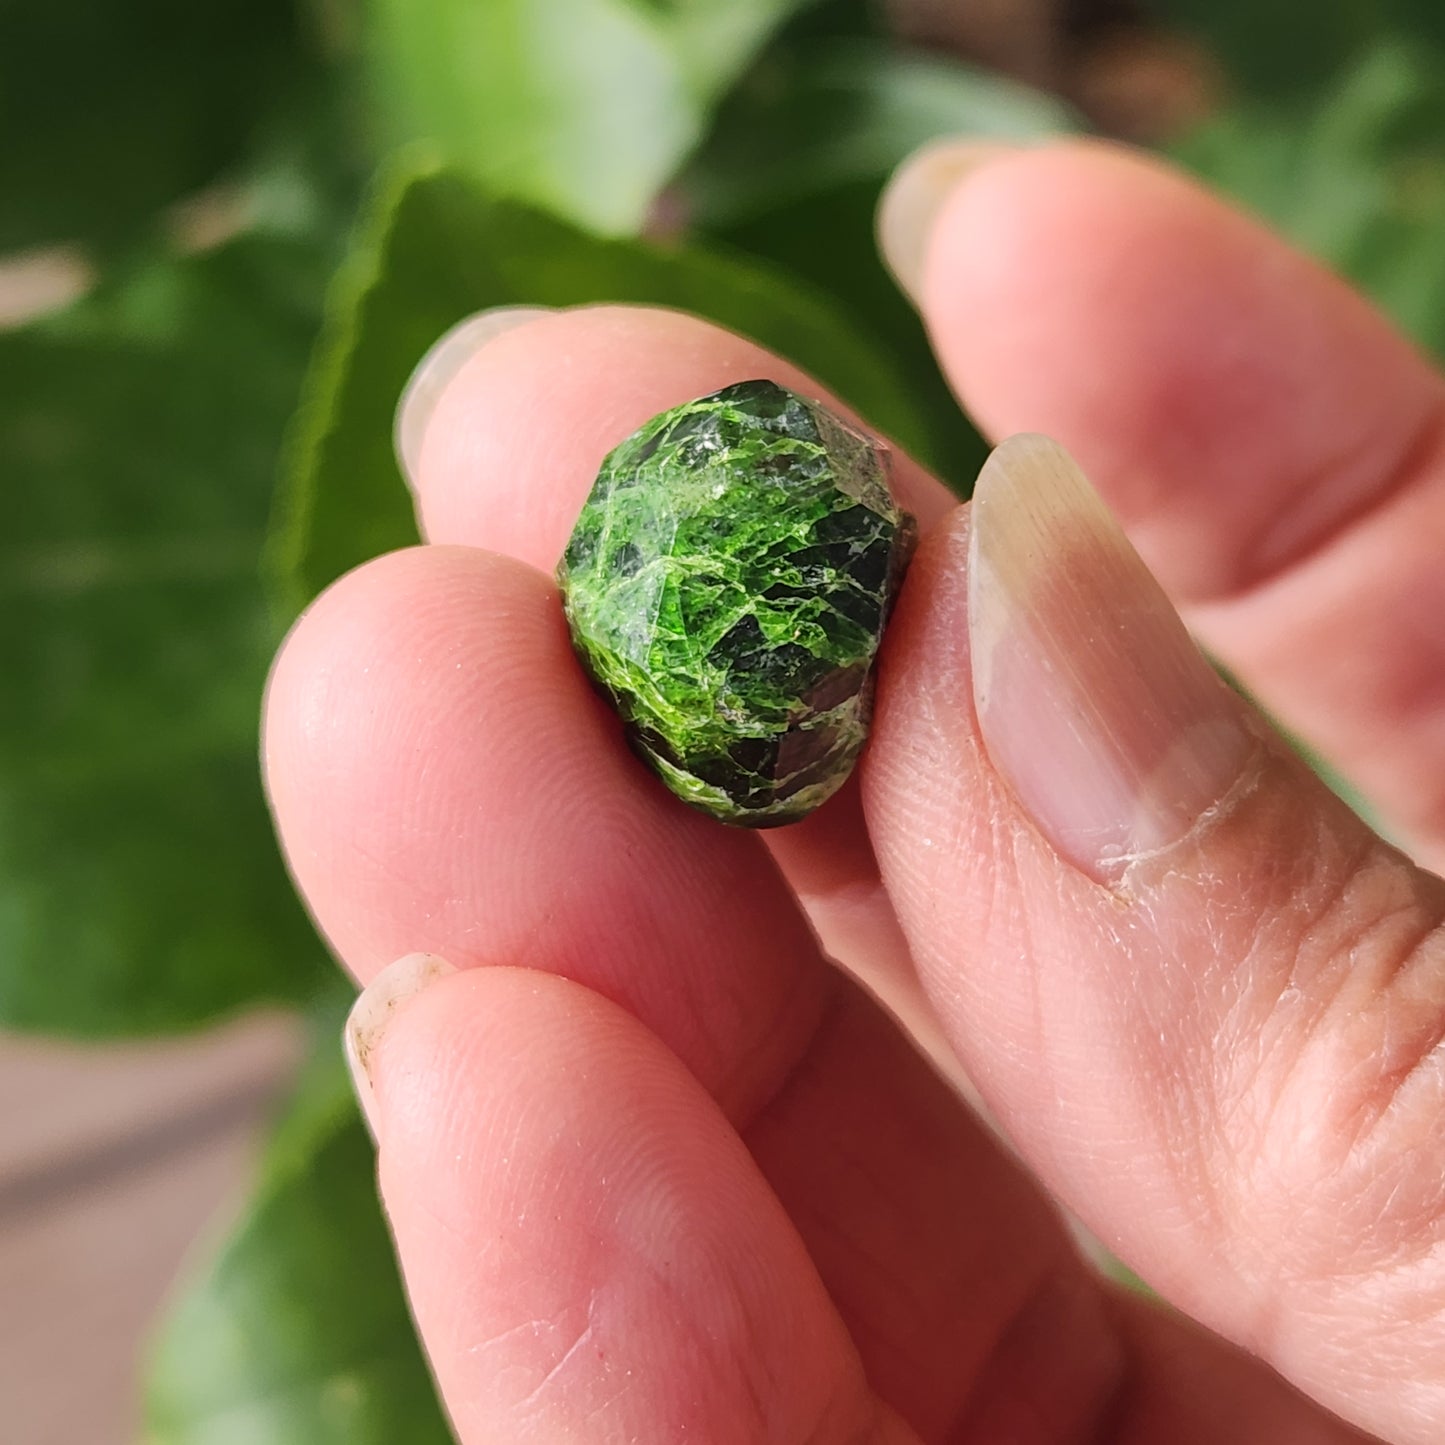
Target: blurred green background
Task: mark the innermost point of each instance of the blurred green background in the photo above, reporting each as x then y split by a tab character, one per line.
228	232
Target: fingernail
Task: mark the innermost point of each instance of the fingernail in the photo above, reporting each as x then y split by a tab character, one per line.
1095	705
371	1015
447	357
914	196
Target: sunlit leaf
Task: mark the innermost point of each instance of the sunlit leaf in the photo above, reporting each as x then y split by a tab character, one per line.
582	107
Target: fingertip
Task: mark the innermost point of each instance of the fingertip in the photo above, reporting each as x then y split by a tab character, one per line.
1234	399
321	699
435	371
372	1017
589	1249
375	713
915	194
967	191
1043	226
445	1049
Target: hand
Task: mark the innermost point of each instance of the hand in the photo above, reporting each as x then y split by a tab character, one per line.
658	1172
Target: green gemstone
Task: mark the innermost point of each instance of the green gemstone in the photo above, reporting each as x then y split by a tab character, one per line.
727	585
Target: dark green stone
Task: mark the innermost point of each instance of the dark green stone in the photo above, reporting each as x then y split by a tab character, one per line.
727	585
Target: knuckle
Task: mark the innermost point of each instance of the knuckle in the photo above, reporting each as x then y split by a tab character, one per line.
1335	1116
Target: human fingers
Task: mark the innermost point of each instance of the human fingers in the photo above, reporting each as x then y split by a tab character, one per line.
1274	449
604	1261
393	746
942	1206
589	1250
1205	1001
444	778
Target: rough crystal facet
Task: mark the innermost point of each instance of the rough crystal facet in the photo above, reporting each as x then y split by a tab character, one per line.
727	585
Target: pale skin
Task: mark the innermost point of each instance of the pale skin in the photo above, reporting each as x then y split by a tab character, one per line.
656	1170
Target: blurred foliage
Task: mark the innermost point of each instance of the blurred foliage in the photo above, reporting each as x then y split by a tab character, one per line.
851	110
139	886
1276	58
1362	185
1334	131
111	111
210	162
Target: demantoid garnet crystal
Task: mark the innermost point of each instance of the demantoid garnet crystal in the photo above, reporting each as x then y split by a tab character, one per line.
727	585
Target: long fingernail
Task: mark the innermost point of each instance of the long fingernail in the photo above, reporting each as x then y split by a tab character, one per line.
447	357
371	1015
1094	703
914	196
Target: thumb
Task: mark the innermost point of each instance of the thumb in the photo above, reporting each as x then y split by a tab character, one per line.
1204	999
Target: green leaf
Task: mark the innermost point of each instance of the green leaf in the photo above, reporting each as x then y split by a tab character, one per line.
810	122
297	1332
140	887
435	250
800	154
1357	177
582	107
110	111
